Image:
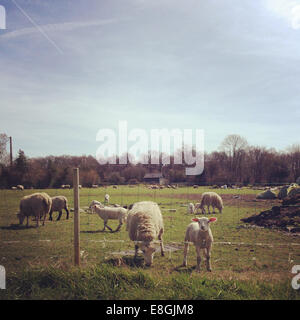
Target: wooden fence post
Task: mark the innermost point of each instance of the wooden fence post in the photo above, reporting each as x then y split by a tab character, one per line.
76	217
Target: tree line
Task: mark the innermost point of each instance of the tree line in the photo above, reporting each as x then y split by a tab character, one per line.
235	162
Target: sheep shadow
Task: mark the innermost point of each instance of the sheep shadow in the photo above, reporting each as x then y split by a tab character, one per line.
129	261
16	227
187	270
99	231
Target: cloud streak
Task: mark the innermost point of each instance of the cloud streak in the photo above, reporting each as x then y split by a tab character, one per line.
57	27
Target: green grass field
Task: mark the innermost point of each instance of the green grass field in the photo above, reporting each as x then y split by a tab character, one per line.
248	263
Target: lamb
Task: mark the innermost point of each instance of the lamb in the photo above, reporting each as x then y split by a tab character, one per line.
144	225
198	232
37	205
210	199
58	204
106	198
107	213
191	208
96	202
20	187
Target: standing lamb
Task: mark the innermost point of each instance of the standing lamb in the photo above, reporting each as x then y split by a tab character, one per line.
37	205
210	199
191	208
200	234
106	198
58	204
96	202
144	225
110	213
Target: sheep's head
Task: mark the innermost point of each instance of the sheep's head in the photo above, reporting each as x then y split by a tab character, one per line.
21	217
204	222
148	251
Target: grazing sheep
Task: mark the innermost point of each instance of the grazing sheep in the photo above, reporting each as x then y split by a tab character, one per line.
191	208
224	186
106	198
94	186
37	205
20	187
58	204
211	199
195	186
110	213
13	188
145	224
198	232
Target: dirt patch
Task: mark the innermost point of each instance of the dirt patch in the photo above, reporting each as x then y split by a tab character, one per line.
285	217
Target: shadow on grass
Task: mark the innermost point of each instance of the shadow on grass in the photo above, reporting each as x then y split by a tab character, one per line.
128	261
99	231
16	227
182	269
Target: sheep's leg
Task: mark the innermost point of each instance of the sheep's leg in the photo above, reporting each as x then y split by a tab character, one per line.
162	250
119	226
38	221
208	209
213	210
27	224
59	215
198	258
136	247
44	219
185	253
67	211
208	255
50	215
108	227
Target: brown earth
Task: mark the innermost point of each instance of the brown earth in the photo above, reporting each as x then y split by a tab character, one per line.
284	217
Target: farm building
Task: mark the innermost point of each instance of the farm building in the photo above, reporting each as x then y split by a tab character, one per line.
155	178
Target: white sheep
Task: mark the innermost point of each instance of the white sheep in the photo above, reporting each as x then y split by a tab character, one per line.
58	204
198	232
191	208
37	205
106	198
96	202
210	199
145	225
110	213
20	187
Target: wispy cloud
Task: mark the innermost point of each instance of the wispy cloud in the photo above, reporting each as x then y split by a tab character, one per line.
288	9
57	27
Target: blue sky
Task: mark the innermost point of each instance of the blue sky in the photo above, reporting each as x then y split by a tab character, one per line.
70	68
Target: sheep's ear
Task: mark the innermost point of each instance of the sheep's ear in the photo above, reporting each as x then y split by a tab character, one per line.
195	219
213	219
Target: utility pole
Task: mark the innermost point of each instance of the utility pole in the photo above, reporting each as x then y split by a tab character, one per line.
10	151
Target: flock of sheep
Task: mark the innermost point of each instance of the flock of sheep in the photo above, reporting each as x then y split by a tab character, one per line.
144	221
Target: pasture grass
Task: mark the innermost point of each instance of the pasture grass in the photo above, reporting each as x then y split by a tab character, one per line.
248	263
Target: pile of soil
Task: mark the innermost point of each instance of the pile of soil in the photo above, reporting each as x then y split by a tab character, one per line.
285	217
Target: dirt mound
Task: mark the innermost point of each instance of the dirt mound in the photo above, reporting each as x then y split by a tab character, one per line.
285	217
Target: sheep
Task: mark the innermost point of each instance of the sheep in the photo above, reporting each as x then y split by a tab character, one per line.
106	198
211	199
107	213
144	225
37	205
191	208
13	188
198	232
20	187
58	204
96	202
94	186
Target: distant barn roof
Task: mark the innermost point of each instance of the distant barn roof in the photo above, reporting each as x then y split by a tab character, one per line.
153	175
